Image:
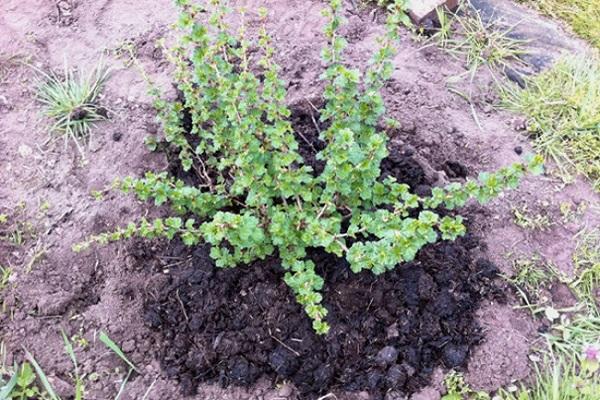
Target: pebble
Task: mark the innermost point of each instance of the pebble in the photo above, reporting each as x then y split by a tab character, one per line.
285	391
409	127
454	355
25	150
392	331
518	150
387	355
129	346
519	124
363	395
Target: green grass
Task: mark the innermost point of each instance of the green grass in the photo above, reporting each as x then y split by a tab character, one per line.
569	338
24	379
587	269
562	106
71	100
531	274
482	44
563	380
582	15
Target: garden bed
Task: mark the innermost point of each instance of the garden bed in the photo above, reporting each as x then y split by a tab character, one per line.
194	330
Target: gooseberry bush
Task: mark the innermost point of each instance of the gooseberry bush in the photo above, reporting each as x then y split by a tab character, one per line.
256	197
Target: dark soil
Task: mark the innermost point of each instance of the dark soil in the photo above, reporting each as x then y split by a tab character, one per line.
389	332
233	326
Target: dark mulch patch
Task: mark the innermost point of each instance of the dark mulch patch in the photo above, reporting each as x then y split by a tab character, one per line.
388	332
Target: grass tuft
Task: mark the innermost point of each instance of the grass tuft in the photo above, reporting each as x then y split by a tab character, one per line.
71	99
562	106
564	380
483	44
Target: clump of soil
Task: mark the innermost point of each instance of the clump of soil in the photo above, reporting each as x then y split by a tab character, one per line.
389	332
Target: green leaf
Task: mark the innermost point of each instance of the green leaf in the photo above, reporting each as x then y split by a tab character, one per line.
115	349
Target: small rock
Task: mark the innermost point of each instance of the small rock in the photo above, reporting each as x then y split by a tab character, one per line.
409	150
25	151
409	127
452	129
426	394
151	128
394	395
410	371
102	111
396	376
386	356
285	391
519	124
515	76
116	136
62	388
518	150
392	331
363	395
374	378
423	9
129	346
454	355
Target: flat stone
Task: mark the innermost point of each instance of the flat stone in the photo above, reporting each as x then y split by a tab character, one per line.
421	10
544	39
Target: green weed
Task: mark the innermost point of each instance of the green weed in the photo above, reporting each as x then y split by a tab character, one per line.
457	389
444	33
570	212
479	45
562	106
71	100
21	386
16	229
5	273
116	349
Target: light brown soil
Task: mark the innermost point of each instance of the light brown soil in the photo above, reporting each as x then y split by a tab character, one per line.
52	288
